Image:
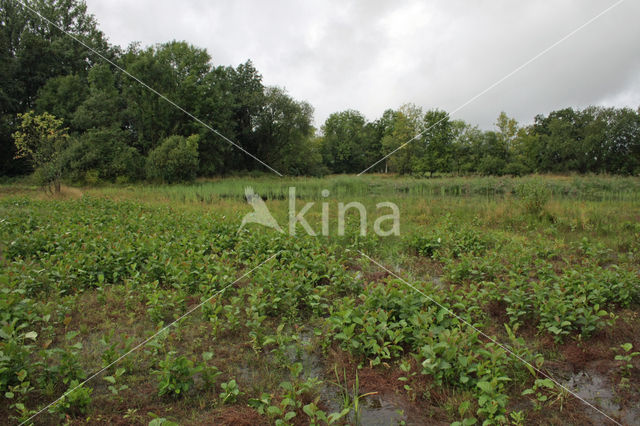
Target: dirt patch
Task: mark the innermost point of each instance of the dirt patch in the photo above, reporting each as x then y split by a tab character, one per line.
498	311
237	415
375	276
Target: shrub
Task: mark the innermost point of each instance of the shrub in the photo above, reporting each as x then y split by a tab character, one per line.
174	160
102	154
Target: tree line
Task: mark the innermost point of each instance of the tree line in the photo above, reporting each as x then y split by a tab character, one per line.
66	113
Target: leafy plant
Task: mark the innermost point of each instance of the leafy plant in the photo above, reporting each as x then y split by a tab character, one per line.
113	387
176	374
230	392
75	402
626	356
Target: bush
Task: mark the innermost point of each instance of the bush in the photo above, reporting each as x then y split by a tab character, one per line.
102	155
174	160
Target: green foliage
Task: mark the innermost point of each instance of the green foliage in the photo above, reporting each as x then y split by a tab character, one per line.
113	386
14	352
61	96
75	402
424	245
176	374
148	263
626	356
42	140
284	130
230	392
174	160
47	70
161	421
102	155
66	362
534	195
343	141
32	54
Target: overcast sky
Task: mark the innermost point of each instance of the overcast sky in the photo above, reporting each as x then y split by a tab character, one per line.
373	55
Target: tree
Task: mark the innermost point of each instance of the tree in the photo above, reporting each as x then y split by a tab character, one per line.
466	145
434	149
402	126
620	140
104	106
62	95
284	132
494	154
32	52
248	95
343	142
149	118
507	128
42	139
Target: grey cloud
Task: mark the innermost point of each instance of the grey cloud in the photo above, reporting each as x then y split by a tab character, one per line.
373	55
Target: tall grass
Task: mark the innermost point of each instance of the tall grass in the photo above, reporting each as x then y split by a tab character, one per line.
587	188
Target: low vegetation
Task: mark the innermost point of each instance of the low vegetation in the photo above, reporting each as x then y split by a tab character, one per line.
318	332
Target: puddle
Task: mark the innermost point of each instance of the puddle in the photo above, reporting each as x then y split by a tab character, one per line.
598	390
378	409
381	410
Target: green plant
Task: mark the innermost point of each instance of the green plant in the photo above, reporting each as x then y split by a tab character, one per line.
75	402
425	245
230	392
626	356
42	140
160	421
518	418
540	390
14	352
463	410
351	398
113	387
534	195
18	394
176	375
492	400
174	160
67	365
319	417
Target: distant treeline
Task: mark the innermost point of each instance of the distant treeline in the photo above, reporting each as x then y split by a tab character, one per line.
117	130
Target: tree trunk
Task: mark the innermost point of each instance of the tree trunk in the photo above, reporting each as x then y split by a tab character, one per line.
56	185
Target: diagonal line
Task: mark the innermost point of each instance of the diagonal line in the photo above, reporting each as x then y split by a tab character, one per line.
483	92
151	89
503	346
153	336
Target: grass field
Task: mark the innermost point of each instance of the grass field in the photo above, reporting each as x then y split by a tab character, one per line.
348	329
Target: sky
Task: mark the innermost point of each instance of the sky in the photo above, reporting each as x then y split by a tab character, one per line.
371	55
